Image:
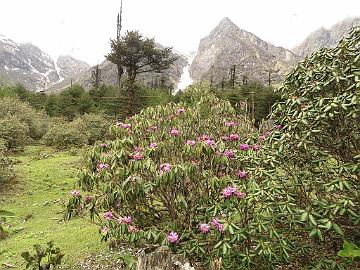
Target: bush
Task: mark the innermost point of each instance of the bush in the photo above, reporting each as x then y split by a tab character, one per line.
83	130
235	197
6	171
62	134
14	132
36	121
94	126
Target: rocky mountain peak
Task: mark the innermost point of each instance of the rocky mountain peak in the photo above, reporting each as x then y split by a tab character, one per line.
27	64
227	45
326	37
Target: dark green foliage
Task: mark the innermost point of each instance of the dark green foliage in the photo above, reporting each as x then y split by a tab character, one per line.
6	171
242	98
319	143
71	102
83	130
62	134
136	55
36	121
14	132
44	258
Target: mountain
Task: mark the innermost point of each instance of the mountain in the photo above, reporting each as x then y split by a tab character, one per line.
228	45
70	67
28	65
328	38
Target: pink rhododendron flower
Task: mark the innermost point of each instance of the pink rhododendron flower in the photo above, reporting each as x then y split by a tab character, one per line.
234	137
102	166
165	167
175	132
229	153
225	138
244	147
123	125
256	147
228	191
204	227
231	124
103	145
262	138
104	230
210	142
127	219
203	138
133	229
180	111
239	194
278	126
137	156
152	128
217	224
88	199
75	193
153	145
138	149
241	174
108	215
173	237
190	142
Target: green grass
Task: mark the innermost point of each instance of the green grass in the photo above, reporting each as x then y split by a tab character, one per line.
45	178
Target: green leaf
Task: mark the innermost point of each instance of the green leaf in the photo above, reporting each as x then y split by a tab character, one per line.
4	213
337	229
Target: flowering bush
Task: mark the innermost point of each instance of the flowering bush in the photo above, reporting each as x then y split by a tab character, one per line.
216	190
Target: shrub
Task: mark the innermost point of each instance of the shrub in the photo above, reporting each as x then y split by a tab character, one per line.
62	134
14	131
94	126
6	171
35	120
198	178
43	258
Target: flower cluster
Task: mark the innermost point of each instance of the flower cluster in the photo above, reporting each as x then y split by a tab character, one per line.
180	111
244	147
173	237
102	166
137	156
231	124
175	132
217	225
230	191
123	125
125	220
165	167
229	153
153	145
241	174
190	142
108	215
204	227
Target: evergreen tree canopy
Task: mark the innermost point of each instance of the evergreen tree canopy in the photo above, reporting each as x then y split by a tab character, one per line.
139	55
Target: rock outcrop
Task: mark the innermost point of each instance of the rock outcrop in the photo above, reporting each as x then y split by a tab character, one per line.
228	45
328	38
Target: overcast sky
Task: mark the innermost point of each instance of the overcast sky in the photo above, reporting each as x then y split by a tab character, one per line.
82	28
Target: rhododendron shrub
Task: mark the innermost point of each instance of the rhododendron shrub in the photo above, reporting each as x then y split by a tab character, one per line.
216	190
171	172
